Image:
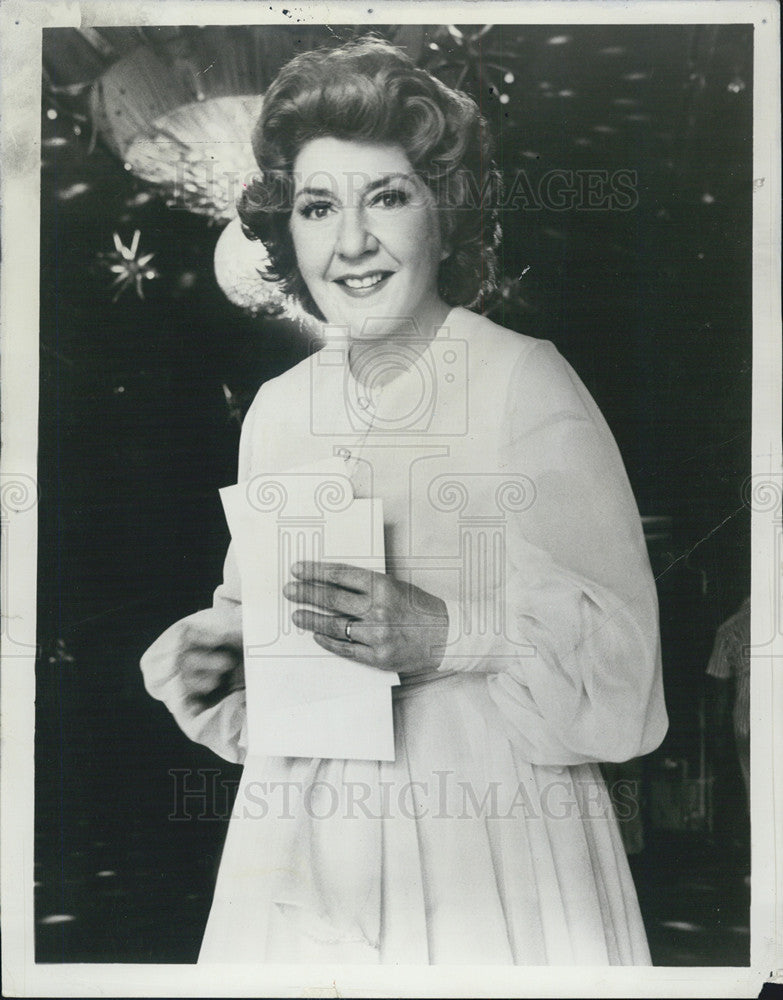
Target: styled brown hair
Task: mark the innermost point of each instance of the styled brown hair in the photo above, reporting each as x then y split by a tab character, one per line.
370	91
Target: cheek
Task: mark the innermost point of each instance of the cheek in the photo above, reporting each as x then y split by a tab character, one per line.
431	235
429	249
418	240
310	248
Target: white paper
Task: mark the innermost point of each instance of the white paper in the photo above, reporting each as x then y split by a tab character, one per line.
301	700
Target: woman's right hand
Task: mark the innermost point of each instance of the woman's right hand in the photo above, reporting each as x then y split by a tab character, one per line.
210	663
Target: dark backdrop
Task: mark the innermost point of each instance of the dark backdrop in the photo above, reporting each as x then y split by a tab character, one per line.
652	306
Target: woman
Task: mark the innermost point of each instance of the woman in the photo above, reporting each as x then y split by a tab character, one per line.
518	608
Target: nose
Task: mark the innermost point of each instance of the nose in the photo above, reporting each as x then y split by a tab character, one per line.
354	239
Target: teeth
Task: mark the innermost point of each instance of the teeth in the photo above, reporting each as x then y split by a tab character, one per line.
366	282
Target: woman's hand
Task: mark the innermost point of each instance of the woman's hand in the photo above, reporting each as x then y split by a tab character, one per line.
393	625
210	663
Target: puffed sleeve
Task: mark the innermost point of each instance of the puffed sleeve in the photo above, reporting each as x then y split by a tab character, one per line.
576	674
219	721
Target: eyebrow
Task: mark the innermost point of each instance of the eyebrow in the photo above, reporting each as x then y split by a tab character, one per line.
372	186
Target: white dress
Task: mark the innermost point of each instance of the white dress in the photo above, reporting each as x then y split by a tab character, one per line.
491	838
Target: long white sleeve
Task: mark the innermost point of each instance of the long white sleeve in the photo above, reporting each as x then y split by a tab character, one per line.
577	673
219	722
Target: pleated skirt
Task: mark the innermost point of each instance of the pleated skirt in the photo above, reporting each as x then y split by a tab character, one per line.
457	852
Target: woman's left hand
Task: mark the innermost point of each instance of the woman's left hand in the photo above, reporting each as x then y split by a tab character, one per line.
393	625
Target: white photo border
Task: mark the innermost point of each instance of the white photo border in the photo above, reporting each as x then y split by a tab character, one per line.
20	33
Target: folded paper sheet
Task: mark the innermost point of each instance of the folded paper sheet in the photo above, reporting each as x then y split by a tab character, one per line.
301	700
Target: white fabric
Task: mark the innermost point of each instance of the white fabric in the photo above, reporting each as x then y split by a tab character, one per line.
491	838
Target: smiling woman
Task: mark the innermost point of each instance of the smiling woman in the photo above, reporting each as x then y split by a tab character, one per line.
518	607
368	94
369	244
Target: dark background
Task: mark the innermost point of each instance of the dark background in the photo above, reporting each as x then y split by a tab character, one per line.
652	306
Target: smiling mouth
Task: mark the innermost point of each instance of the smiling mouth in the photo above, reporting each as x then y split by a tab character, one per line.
363	284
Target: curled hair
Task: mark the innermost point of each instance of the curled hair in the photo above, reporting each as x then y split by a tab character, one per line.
369	91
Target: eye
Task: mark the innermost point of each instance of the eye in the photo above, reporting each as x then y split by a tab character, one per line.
391	198
316	209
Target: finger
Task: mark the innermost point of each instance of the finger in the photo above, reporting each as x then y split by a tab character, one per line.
201	638
332	626
202	677
341	574
212	662
327	597
348	650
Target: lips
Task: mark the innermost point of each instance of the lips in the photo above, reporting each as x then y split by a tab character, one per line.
361	285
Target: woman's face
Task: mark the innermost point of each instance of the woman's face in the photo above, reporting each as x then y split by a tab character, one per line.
367	238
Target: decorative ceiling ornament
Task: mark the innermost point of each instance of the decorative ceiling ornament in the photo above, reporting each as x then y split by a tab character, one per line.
199	155
168	131
130	269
